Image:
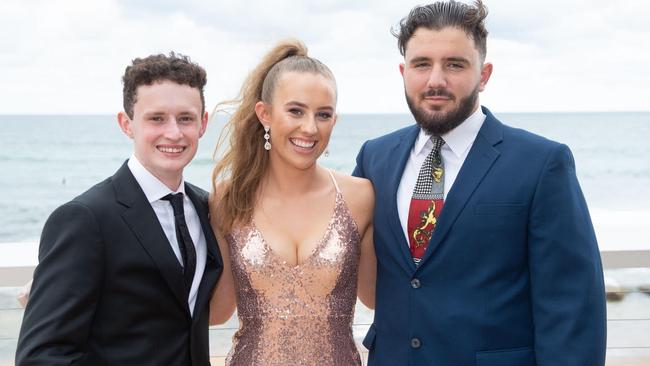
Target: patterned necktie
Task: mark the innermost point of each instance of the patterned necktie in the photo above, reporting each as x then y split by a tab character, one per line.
427	201
185	244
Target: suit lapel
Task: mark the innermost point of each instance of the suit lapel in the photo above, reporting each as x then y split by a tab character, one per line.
213	260
144	224
480	159
400	154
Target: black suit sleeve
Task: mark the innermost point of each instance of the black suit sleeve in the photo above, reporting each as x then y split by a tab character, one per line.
65	291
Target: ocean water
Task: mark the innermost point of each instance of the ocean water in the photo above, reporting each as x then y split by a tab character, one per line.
47	160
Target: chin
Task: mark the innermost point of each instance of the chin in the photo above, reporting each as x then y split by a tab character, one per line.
435	109
304	165
174	167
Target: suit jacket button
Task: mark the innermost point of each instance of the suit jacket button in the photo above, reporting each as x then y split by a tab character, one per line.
415	343
415	283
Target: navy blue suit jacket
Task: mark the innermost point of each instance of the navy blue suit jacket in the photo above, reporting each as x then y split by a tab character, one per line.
512	274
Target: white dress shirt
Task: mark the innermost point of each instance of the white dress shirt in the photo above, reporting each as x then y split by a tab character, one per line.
154	190
457	145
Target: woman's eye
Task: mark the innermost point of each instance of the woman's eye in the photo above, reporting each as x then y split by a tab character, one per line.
324	115
296	111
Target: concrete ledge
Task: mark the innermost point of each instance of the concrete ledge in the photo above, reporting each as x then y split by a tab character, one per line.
625	259
18	260
15	276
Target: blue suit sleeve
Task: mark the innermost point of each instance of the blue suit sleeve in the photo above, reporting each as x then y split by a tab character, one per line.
566	272
358	169
65	291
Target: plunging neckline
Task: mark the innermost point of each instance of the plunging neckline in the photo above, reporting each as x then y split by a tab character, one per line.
314	251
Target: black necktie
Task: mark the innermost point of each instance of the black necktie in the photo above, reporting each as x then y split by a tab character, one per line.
185	243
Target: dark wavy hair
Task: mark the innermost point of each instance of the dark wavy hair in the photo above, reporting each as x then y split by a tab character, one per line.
443	14
155	68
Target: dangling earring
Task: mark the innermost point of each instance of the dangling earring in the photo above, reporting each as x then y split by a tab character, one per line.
327	152
267	143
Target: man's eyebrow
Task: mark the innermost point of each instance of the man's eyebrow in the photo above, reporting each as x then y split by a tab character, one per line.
457	59
452	58
419	59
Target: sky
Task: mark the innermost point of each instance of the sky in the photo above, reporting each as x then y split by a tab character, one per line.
68	56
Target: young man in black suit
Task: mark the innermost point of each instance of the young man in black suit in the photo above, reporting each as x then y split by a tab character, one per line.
126	270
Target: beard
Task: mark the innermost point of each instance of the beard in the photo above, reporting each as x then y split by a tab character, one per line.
438	123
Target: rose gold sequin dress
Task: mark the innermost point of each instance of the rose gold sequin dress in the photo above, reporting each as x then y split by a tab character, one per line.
296	315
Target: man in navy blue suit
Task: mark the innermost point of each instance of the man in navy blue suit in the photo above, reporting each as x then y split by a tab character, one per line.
486	254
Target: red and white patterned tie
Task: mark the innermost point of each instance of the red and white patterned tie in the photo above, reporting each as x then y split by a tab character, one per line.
427	201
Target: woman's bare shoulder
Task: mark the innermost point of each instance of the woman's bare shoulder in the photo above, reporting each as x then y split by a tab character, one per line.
217	193
219	189
357	191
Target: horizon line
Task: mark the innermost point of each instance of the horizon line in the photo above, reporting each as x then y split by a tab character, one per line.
347	113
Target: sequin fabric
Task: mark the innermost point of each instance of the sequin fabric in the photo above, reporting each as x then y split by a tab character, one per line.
296	315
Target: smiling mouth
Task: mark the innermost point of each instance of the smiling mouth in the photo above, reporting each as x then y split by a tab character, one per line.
171	150
302	143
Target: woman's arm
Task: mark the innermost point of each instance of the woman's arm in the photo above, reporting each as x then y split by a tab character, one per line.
360	197
223	303
367	270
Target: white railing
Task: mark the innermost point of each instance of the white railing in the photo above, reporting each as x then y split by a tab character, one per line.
18	260
628	320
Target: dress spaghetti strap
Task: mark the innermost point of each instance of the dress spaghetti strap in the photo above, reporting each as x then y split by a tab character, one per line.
336	185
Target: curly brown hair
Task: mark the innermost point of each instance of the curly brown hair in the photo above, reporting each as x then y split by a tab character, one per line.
155	68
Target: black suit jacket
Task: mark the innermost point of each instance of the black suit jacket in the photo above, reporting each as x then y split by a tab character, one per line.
109	290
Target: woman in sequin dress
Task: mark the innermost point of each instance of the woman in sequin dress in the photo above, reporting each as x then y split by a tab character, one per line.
296	238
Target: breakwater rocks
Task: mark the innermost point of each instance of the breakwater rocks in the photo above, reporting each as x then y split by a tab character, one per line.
614	291
618	289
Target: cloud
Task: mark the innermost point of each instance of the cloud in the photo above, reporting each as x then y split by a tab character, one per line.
68	56
574	56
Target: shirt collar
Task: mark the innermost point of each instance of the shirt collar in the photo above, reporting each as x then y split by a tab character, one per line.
458	140
152	187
